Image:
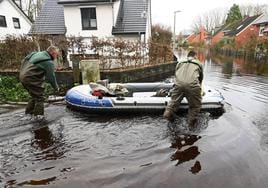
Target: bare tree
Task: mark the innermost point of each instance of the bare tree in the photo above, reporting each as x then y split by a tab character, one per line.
259	9
209	20
246	10
197	24
216	17
219	16
30	7
251	10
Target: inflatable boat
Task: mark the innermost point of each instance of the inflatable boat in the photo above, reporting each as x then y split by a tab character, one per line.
134	98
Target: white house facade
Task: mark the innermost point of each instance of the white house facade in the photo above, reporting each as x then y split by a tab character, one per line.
127	19
99	25
13	21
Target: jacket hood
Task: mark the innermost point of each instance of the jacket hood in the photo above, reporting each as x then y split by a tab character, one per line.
39	56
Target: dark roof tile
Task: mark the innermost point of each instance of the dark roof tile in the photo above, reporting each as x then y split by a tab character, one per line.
131	17
236	27
50	20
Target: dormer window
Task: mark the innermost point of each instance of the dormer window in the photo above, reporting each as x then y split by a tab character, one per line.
88	17
239	27
3	22
16	23
261	30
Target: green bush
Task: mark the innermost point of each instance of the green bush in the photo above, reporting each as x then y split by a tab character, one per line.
12	90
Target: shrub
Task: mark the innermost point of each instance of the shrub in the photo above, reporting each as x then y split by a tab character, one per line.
13	49
12	90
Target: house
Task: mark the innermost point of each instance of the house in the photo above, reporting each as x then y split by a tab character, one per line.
50	20
262	27
243	31
127	19
191	38
87	19
200	37
217	35
240	31
13	21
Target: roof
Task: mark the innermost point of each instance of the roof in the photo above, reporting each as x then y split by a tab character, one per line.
219	29
262	20
84	1
131	17
236	27
50	20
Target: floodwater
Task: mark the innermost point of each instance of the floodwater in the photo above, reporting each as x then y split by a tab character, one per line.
80	150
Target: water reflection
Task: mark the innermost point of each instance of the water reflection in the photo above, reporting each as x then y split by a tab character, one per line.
37	182
239	66
227	69
183	140
184	153
48	145
196	168
108	151
43	138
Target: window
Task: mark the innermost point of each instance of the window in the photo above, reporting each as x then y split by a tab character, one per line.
88	16
16	23
3	22
239	27
261	30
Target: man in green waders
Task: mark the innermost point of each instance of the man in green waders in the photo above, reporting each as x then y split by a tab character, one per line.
188	81
35	69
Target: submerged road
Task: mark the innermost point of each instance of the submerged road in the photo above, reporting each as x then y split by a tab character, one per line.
81	150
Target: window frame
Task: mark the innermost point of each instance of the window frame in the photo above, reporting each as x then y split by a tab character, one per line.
87	17
262	27
14	21
4	21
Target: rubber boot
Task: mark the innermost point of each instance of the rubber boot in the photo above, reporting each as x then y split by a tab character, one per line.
169	115
193	124
30	107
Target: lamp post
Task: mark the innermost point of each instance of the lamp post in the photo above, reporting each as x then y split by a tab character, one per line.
174	34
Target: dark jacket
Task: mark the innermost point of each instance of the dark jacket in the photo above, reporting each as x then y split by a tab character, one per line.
36	68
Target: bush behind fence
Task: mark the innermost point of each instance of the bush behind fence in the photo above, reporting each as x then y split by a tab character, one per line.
113	53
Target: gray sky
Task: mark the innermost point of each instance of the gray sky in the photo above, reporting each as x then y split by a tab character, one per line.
163	10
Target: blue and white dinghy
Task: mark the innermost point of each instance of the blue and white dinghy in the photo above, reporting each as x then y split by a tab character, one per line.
134	98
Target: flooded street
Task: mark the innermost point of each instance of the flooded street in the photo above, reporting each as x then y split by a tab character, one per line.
80	150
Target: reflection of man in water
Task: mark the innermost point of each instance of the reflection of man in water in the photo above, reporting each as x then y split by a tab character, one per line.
188	154
185	155
44	139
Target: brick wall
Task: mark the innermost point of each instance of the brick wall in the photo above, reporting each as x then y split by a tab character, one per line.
246	35
216	38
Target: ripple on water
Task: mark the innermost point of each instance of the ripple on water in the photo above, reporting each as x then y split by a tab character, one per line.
143	151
